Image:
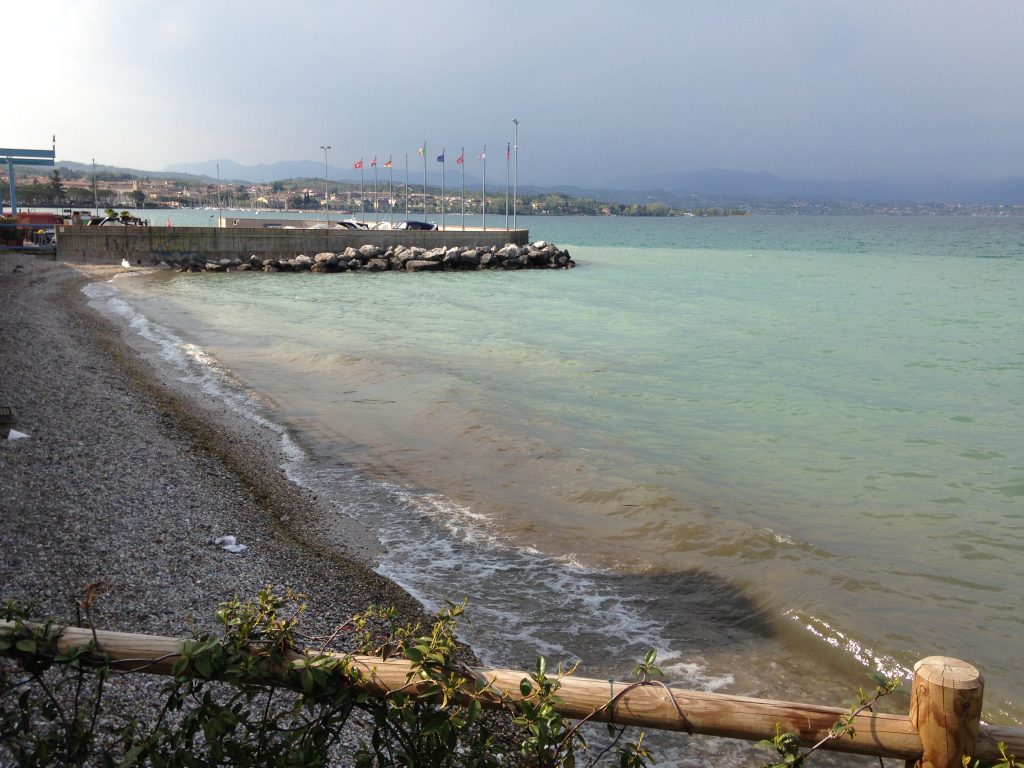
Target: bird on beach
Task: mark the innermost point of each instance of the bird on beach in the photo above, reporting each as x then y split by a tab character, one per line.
125	263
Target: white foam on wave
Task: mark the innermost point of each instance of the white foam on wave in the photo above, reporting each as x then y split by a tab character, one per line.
525	602
838	639
195	367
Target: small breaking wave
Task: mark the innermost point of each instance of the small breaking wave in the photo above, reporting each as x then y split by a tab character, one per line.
852	647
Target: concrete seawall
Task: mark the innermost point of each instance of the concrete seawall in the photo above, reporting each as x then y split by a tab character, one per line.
177	245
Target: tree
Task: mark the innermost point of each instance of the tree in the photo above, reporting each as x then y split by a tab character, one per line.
138	196
56	187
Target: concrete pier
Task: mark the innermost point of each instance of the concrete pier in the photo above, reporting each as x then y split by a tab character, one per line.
177	245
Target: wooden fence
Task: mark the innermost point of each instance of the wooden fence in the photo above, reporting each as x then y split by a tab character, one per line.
942	726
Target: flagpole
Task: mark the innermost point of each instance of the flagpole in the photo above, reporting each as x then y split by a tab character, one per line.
374	189
462	162
424	179
407	185
506	184
515	178
391	194
483	201
442	187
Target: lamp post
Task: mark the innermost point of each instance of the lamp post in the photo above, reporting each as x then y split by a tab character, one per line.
515	177
327	207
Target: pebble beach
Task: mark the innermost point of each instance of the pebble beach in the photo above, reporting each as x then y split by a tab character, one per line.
125	481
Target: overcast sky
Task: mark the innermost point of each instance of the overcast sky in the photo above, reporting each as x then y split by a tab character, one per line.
801	88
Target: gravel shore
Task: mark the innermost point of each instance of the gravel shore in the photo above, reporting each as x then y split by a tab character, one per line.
125	481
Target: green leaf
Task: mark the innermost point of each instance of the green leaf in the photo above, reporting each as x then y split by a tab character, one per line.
26	645
525	686
203	667
131	757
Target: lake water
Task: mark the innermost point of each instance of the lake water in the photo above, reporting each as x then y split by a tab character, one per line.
781	451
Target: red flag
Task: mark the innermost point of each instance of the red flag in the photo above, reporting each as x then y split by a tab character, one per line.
358	165
373	163
508	150
388	163
459	159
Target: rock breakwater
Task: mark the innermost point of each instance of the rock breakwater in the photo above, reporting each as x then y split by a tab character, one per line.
372	258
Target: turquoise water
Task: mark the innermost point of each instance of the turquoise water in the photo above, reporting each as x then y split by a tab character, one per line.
779	450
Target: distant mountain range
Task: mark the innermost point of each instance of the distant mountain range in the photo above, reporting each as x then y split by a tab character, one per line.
684	189
739	185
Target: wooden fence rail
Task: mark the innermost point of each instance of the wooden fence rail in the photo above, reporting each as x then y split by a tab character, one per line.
942	726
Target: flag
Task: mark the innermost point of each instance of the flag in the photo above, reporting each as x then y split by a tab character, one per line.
440	158
358	165
422	151
373	163
482	156
508	150
459	159
388	163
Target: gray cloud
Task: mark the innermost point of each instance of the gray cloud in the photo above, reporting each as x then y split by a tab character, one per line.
802	89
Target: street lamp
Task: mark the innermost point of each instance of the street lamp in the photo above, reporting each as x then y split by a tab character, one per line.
326	205
515	177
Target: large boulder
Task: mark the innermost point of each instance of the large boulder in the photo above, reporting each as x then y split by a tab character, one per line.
434	254
422	265
368	251
510	251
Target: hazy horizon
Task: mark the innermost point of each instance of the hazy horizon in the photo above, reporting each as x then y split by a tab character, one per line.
798	89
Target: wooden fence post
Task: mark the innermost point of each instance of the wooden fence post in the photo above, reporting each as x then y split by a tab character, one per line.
945	708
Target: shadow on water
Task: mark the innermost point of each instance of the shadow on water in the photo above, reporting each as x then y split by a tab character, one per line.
696	605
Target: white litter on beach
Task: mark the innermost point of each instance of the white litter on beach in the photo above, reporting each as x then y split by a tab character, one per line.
230	544
16	435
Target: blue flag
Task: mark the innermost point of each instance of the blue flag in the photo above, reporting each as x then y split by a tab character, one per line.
440	158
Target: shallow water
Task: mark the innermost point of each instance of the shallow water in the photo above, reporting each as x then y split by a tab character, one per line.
778	450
